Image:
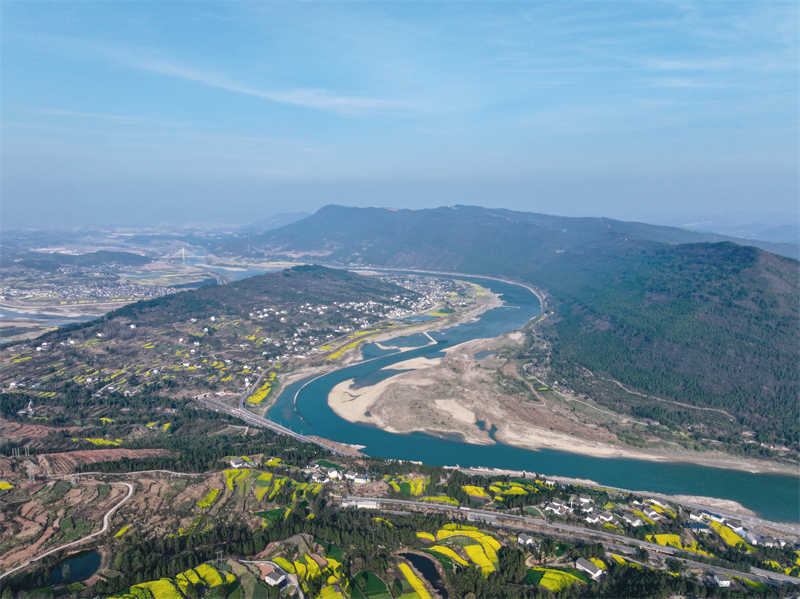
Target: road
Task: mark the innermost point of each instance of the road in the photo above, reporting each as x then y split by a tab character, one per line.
793	529
258	421
251	389
106	520
607	537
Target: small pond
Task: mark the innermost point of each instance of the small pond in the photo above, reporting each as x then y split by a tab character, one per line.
80	567
483	354
427	568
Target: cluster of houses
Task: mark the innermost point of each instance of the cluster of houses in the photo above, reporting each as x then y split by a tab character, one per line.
697	523
323	475
590	513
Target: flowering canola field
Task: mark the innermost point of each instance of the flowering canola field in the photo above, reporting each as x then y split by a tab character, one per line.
176	587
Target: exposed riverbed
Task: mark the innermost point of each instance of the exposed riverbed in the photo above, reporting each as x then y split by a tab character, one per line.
303	405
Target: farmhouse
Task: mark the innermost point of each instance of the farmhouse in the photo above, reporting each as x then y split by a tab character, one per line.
238	463
632	520
556	509
606	516
714	517
586	566
722	580
275	578
592	519
524	539
697	527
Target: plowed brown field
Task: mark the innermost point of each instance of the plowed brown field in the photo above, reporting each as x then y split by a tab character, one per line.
20	430
62	463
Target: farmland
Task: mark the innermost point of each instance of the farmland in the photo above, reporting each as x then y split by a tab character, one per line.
164	539
207	340
107	406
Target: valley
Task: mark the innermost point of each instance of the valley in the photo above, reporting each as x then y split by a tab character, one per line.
465	386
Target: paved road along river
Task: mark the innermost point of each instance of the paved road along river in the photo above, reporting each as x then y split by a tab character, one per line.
303	406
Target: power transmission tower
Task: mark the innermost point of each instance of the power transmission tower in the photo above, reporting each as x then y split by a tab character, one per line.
31	472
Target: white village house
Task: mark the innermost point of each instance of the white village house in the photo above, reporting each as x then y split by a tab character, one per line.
586	566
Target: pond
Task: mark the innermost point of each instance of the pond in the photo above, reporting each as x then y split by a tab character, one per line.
79	567
426	567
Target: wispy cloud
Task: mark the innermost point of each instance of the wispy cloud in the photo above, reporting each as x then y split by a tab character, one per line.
320	99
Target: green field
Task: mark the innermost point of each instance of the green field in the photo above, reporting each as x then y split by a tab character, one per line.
372	586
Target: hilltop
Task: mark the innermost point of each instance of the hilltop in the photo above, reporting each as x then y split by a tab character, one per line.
217	339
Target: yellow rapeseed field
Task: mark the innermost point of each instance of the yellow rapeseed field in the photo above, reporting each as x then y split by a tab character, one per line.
415	582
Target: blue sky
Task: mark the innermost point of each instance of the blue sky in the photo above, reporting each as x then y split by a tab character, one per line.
140	112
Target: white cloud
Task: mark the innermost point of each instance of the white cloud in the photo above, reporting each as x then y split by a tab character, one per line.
310	98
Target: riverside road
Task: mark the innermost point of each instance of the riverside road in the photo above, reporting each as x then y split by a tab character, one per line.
606	537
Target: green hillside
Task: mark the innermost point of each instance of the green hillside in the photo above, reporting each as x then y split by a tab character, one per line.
709	324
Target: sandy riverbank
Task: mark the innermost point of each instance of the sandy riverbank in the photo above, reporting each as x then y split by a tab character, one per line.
383	341
455	396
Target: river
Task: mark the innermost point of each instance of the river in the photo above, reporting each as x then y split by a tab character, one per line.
304	407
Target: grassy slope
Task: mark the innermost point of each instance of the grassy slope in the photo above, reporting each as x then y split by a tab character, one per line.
707	324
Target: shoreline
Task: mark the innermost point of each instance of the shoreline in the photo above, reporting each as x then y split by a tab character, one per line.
354	405
351	404
354	356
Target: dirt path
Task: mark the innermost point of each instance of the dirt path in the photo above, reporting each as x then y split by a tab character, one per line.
106	520
677	403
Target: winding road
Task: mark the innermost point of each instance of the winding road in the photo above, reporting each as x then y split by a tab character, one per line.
106	520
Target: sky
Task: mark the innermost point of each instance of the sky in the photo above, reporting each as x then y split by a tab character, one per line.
145	112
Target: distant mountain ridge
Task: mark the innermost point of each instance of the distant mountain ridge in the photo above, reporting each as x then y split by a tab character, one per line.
273	222
333	227
657	308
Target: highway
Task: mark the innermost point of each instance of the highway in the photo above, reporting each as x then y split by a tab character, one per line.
258	421
607	538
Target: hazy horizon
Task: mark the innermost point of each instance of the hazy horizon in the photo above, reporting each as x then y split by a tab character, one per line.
143	113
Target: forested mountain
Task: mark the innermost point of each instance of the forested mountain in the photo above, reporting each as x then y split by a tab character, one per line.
463	232
47	261
711	324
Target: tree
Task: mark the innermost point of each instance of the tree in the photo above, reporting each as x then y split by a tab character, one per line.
642	554
66	572
675	565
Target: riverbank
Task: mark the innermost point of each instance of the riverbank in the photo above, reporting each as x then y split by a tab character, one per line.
304	405
456	396
301	371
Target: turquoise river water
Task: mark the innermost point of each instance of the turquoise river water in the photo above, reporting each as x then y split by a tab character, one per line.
303	406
